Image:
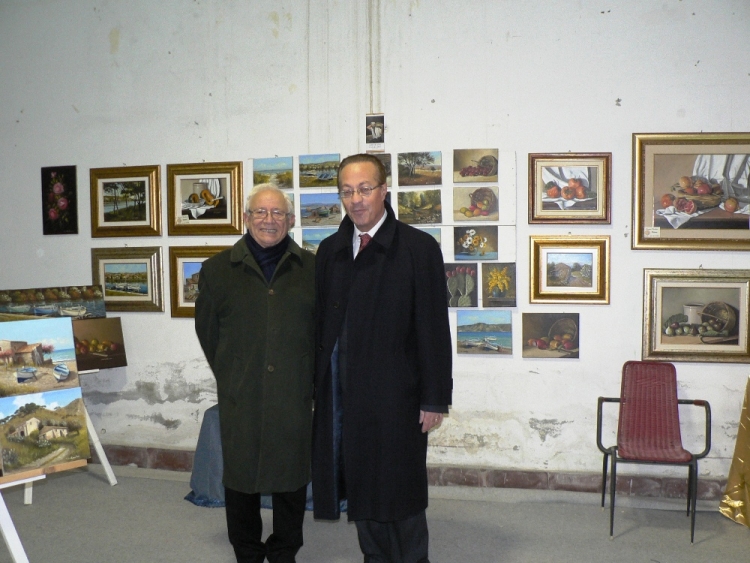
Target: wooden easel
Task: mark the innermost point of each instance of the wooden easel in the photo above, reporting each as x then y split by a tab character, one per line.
27	478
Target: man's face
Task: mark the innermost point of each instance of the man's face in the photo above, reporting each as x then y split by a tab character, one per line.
364	212
268	231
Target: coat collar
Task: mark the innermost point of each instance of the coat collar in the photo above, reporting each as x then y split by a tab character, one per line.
241	253
384	236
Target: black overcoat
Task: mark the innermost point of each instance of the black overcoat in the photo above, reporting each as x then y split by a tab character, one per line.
394	300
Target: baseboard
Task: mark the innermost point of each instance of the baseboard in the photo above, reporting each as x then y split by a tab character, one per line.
442	475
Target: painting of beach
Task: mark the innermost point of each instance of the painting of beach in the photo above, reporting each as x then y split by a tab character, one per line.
277	171
320	210
318	170
484	332
311	238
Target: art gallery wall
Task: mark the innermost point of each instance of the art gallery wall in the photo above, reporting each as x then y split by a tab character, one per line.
96	83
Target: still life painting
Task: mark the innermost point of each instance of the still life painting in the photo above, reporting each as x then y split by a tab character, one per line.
59	200
499	285
99	343
420	207
318	170
420	169
484	332
475	204
276	170
475	165
461	280
475	242
550	335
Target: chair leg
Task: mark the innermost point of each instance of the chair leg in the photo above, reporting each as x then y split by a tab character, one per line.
604	478
689	487
694	499
612	485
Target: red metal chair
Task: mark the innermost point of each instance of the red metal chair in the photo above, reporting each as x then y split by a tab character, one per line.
648	429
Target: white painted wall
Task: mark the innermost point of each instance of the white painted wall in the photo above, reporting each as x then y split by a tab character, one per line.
100	83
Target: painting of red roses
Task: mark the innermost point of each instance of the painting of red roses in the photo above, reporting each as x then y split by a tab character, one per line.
59	201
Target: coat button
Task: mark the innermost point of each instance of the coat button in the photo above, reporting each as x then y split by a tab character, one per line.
270	292
320	347
270	368
336	305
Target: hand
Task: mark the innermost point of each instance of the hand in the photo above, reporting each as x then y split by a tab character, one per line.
429	420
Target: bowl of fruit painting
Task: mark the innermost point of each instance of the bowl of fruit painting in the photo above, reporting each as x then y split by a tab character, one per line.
570	187
690	191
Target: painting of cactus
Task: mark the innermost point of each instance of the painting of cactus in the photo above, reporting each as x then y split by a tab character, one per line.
462	284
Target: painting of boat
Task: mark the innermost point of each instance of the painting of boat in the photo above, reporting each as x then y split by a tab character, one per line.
25	374
45	309
73	311
19	308
61	372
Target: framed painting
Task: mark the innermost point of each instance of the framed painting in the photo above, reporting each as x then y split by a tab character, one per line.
275	170
125	201
570	187
696	315
475	165
59	200
420	168
690	191
475	242
551	335
184	267
319	170
204	198
567	269
130	277
420	207
499	284
462	284
484	332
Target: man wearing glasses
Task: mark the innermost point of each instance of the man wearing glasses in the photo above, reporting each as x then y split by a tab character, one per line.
254	317
382	368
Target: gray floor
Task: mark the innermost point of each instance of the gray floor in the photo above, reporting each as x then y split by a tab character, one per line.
78	517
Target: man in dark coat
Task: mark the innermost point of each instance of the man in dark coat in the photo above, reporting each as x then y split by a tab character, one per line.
254	317
382	368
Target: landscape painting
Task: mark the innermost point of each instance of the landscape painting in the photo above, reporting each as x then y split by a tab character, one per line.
318	170
475	165
278	171
99	344
42	433
80	301
475	243
462	284
422	207
311	238
37	356
499	285
550	335
420	169
385	158
320	210
484	332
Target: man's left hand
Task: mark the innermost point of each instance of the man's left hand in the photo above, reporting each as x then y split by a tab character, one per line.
429	420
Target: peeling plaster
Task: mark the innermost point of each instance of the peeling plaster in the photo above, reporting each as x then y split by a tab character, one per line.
547	427
169	424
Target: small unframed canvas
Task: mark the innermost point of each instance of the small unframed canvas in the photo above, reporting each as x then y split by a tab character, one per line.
99	343
276	170
484	332
75	301
318	170
551	335
320	210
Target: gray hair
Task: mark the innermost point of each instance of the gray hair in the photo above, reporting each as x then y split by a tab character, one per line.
268	188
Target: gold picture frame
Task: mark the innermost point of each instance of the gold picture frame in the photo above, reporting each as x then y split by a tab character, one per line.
204	199
125	201
184	263
681	182
131	278
570	269
570	187
696	315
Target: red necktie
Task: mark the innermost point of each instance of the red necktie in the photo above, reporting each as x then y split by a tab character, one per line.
364	240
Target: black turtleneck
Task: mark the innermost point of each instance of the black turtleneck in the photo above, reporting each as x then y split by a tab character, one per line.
267	258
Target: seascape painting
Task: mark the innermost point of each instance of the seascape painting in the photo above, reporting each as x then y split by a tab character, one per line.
42	431
311	238
80	301
318	170
320	210
278	171
484	332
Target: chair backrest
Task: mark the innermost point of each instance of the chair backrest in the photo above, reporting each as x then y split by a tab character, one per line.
649	423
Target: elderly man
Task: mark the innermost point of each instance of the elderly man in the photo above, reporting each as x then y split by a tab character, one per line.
383	368
254	319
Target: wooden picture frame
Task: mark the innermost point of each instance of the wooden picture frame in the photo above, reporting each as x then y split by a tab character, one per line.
570	187
681	182
696	315
125	201
570	269
131	278
184	265
204	199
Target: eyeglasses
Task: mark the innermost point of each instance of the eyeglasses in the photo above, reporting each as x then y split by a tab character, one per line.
364	191
276	214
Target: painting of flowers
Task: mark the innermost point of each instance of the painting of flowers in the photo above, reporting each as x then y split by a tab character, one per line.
499	285
59	202
475	243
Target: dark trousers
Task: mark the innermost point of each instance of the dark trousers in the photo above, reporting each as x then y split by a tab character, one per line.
403	541
245	526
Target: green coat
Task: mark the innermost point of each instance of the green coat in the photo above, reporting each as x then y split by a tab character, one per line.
258	338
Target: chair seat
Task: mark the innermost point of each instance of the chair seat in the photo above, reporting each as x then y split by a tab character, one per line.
654	452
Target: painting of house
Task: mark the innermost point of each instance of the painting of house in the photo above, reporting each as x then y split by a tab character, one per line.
25	429
52	432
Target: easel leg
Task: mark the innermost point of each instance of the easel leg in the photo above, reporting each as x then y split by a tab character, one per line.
10	535
99	449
